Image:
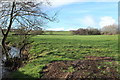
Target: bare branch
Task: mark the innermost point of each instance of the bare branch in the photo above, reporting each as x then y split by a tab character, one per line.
2	31
19	21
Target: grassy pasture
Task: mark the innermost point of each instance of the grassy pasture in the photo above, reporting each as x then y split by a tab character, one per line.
58	32
47	48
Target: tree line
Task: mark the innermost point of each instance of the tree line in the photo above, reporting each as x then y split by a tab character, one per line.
106	30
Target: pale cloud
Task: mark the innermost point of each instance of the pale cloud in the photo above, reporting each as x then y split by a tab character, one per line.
68	29
61	29
57	3
56	29
101	0
88	21
106	20
62	2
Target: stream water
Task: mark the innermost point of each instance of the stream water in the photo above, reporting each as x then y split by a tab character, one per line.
13	52
0	62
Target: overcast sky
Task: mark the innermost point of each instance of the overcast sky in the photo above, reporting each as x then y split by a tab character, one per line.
74	14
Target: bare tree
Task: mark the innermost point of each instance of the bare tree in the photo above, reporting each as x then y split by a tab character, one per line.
27	14
110	29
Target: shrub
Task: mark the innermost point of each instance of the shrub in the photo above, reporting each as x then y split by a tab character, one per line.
37	32
90	31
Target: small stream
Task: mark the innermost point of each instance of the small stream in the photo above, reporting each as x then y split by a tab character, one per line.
13	52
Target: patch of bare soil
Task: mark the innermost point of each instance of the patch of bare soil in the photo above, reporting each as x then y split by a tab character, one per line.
93	68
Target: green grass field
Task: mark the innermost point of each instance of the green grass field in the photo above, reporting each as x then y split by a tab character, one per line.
58	32
47	48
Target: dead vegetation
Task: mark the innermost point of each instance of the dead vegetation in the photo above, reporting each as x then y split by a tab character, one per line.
91	68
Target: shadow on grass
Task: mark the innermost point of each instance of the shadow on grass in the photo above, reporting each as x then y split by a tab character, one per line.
19	76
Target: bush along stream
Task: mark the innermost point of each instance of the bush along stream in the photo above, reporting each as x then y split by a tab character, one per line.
10	65
16	57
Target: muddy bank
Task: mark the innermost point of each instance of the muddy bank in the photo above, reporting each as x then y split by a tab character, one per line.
92	68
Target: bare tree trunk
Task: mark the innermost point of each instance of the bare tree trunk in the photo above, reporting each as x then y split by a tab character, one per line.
4	47
5	51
